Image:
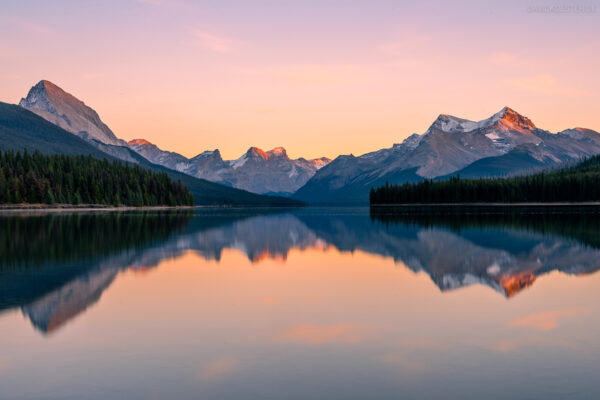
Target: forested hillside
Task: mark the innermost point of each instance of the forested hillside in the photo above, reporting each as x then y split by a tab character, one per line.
38	178
580	183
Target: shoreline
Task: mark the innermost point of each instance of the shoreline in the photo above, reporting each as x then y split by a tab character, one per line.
70	208
16	208
536	204
65	208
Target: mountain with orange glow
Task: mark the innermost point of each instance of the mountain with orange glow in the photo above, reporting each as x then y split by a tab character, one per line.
507	143
258	171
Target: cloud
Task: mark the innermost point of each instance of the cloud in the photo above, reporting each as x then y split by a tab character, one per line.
504	58
92	75
156	2
3	366
405	363
547	321
544	84
214	43
266	111
219	368
9	53
320	334
32	27
406	45
270	300
316	74
506	346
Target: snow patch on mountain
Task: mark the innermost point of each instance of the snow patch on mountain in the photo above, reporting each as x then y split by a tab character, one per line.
293	172
319	163
235	164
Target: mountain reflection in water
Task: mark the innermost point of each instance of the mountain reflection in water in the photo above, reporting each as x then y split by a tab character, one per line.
55	266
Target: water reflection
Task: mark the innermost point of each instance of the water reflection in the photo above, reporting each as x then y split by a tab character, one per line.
54	267
504	248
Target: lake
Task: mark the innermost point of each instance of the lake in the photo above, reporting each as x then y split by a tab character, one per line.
312	303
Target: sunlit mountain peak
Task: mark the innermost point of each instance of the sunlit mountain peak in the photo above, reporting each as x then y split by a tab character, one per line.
139	142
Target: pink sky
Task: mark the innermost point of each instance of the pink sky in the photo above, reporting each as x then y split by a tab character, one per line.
320	78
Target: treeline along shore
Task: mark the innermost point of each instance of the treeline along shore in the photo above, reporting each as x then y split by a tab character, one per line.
580	183
35	178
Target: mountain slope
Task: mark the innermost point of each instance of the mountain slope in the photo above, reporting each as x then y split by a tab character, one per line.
579	183
21	129
507	143
524	159
65	110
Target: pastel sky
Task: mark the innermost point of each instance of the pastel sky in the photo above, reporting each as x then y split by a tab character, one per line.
319	77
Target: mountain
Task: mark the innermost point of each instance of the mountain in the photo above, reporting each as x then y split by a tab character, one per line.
270	172
21	129
507	143
63	109
258	171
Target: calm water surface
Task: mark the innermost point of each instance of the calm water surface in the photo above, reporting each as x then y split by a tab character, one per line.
301	304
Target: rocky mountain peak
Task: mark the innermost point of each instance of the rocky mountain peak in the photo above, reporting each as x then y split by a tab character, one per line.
510	116
63	109
319	163
506	119
258	153
278	151
44	94
37	98
139	142
209	154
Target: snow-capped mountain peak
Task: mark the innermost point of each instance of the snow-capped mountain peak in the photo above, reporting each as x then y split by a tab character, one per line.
451	124
505	119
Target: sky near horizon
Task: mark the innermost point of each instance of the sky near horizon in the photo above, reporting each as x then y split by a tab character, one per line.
320	78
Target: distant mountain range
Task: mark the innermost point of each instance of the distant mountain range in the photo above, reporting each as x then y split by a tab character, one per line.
507	143
267	172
